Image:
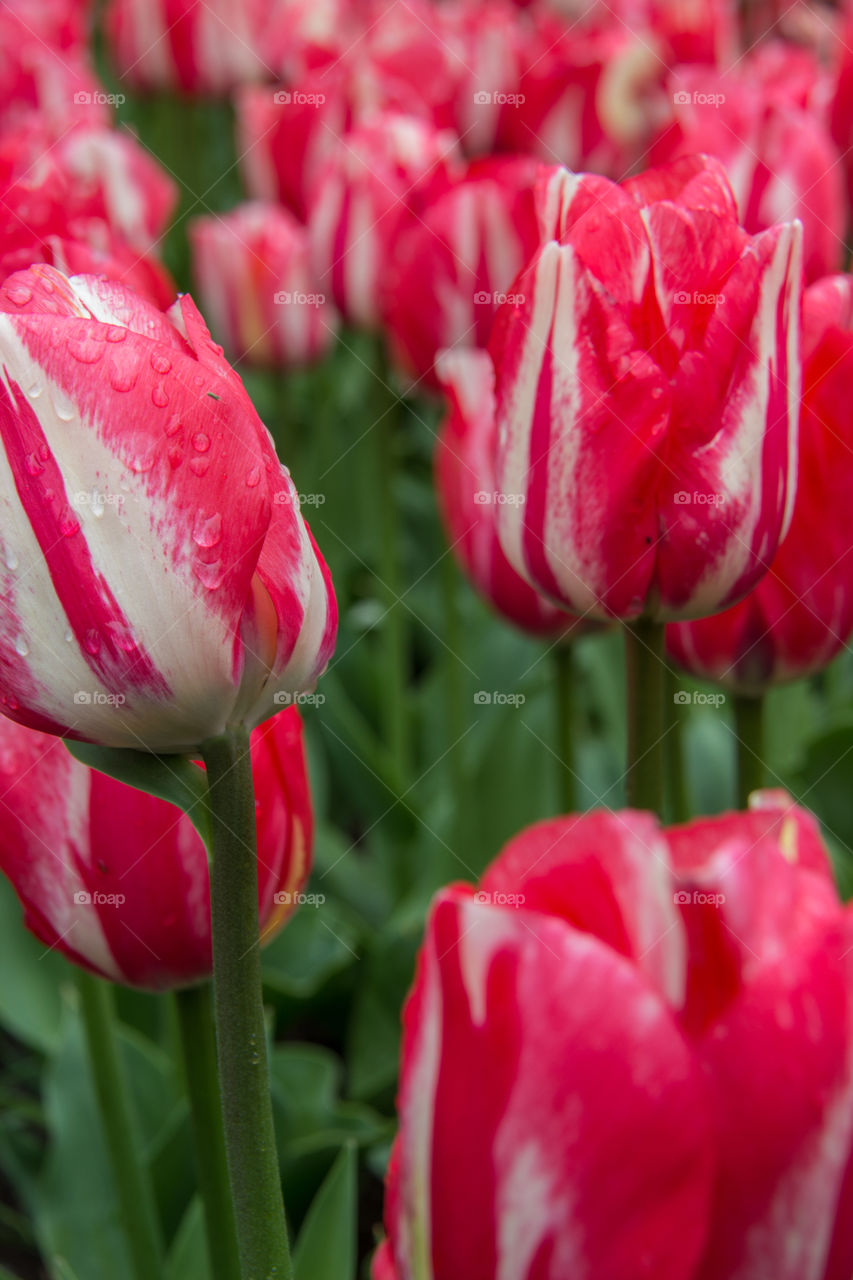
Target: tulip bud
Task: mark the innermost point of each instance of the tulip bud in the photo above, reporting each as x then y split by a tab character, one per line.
256	285
363	190
648	396
468	498
158	581
800	615
613	987
117	880
453	263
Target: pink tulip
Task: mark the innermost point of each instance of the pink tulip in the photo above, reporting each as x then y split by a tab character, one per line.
648	381
117	880
374	177
45	67
631	1054
800	615
761	122
453	262
468	498
158	581
203	46
256	286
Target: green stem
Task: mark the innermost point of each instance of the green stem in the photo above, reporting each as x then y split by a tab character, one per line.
240	1041
394	625
453	684
645	668
749	729
133	1186
198	1047
564	666
676	778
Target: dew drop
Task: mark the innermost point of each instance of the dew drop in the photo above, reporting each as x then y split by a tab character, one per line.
48	495
33	465
35	390
210	575
98	505
11	560
122	636
68	522
86	350
160	363
11	703
208	530
21	647
44	452
159	396
123	379
200	466
115	333
65	408
69	635
201	442
173	426
175	456
20	294
92	643
253	479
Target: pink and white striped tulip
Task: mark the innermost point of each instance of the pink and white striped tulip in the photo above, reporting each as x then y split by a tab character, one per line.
800	615
648	396
252	267
631	1054
376	174
452	264
467	496
202	46
159	583
117	880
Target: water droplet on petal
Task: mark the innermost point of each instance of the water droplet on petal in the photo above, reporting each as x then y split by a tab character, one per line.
160	363
200	466
208	530
11	703
33	465
69	635
122	636
92	643
173	426
201	442
175	456
160	396
21	647
210	575
68	522
115	333
253	479
98	505
87	350
66	410
35	390
20	294
11	560
123	378
44	452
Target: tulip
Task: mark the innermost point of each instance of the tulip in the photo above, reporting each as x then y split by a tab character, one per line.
628	1054
202	46
45	67
453	263
367	185
159	584
464	477
762	123
648	396
117	880
800	615
255	283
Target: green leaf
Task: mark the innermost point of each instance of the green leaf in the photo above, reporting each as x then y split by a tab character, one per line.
172	778
30	1005
187	1258
327	1248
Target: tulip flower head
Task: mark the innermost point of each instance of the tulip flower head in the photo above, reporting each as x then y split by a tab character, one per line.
648	395
159	584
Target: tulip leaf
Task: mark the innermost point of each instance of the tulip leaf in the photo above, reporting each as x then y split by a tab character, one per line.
172	778
327	1244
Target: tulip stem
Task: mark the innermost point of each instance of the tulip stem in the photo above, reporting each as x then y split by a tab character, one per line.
646	669
565	671
679	805
133	1185
749	730
239	1012
453	675
198	1050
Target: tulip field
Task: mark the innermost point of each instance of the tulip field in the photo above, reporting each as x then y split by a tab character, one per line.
426	600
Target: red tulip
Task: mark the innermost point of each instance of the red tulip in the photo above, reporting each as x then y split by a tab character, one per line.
468	498
800	615
364	189
256	285
761	122
203	46
453	262
648	396
45	67
629	1054
118	880
158	580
